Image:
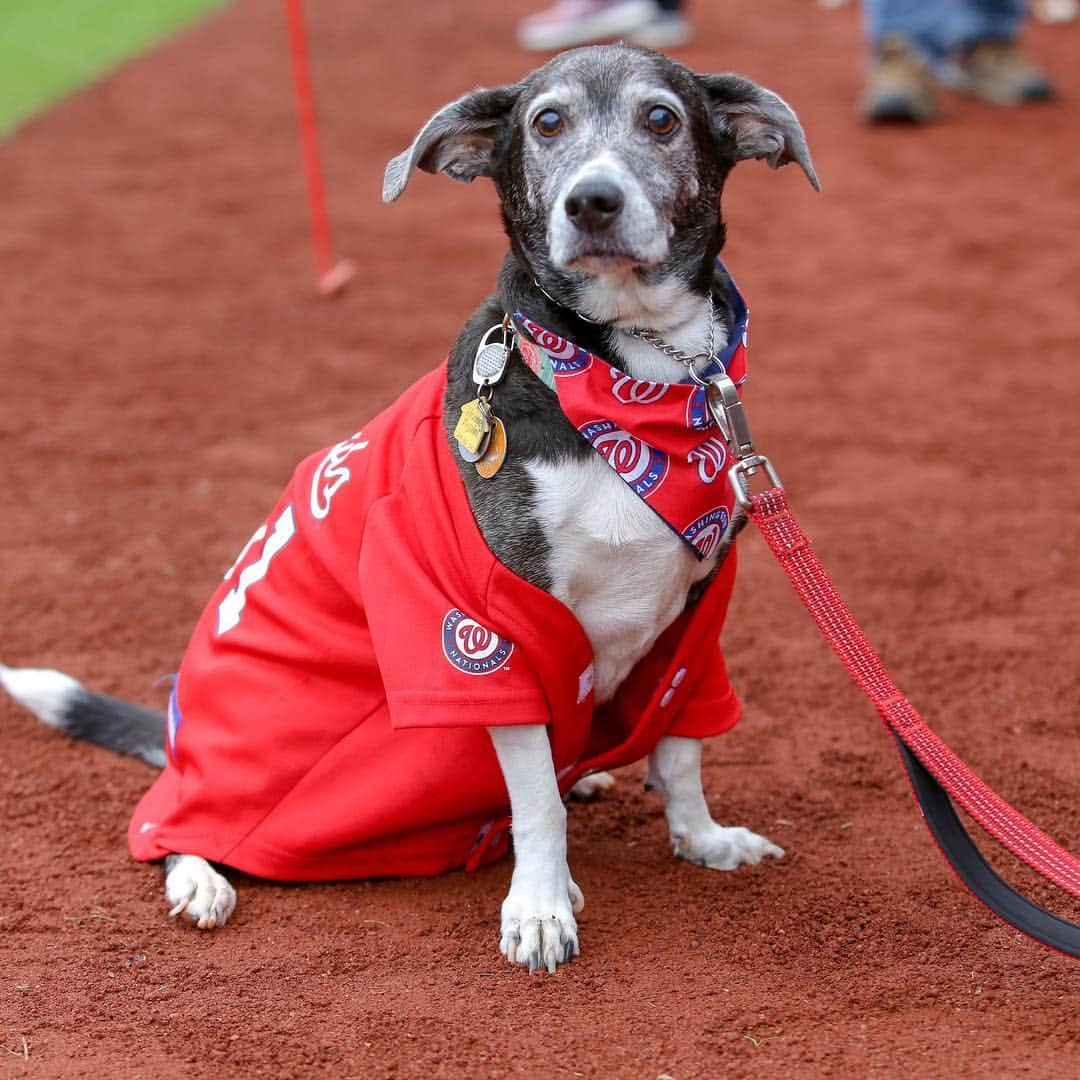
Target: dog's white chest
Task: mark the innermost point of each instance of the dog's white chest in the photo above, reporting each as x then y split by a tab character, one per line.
613	562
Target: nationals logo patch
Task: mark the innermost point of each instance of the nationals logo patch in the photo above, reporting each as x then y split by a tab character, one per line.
707	532
472	647
640	465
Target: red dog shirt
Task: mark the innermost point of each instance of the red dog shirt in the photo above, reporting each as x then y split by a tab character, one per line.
328	718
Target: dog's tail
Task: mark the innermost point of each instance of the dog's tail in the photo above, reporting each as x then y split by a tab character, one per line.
66	704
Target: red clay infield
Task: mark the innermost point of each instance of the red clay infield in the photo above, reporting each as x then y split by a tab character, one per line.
164	364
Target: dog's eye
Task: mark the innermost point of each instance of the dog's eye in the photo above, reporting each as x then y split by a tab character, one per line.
661	121
548	123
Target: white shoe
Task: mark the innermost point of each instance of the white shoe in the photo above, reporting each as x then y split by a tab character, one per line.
579	22
1055	11
668	30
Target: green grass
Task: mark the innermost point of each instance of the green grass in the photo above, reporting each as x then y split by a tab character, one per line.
49	48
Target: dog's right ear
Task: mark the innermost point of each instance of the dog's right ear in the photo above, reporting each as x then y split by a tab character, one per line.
458	140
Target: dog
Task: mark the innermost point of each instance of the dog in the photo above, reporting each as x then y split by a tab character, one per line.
579	616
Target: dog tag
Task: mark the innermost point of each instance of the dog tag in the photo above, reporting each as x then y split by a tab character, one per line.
473	426
473	456
495	454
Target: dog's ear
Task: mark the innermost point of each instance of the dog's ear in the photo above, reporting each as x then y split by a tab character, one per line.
762	123
458	140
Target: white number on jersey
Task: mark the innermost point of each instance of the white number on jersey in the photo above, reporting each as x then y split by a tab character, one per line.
232	607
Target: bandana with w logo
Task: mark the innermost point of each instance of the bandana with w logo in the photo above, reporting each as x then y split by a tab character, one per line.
660	438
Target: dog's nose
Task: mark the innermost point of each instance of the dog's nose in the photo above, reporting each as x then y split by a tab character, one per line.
594	204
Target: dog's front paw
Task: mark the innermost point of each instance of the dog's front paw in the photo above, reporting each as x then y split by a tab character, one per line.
722	848
195	889
538	925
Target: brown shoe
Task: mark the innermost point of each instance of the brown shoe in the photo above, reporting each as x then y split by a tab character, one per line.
996	71
899	87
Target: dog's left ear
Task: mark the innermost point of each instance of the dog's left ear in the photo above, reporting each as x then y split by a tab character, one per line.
762	123
458	140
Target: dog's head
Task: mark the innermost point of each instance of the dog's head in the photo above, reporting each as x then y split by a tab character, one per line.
610	163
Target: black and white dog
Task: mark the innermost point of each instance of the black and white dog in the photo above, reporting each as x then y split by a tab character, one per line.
610	163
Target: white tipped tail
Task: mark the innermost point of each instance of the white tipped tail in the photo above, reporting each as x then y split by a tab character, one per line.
47	694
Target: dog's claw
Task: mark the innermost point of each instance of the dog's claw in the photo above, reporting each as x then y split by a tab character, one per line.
577	898
182	904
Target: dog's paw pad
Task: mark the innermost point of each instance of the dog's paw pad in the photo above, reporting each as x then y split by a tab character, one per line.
724	848
590	787
193	888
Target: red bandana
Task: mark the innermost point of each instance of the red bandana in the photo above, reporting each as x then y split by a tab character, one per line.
660	438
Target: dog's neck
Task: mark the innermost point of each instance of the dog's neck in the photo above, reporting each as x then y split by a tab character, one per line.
606	308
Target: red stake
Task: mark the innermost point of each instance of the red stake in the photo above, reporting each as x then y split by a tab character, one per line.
333	276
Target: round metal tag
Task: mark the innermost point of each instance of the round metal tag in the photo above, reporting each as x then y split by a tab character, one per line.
493	459
473	456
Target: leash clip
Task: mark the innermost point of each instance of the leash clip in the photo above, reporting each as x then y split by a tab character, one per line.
727	409
739	477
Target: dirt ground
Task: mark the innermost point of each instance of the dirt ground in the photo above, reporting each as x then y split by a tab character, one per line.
164	364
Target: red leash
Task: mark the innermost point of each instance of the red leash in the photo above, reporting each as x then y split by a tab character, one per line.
936	773
333	276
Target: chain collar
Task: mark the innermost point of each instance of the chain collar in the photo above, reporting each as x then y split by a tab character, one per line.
690	362
651	337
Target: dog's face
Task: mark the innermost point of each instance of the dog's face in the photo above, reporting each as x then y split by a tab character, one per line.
610	163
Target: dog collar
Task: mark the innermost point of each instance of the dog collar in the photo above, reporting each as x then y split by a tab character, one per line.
661	439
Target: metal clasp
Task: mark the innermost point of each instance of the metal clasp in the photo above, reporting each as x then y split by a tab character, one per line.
489	363
739	477
727	409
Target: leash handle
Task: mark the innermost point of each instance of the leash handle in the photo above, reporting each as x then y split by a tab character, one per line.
936	772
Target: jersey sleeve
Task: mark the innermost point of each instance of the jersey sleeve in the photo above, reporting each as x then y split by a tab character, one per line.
443	660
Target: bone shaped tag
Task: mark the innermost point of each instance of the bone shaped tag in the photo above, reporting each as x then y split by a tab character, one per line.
473	428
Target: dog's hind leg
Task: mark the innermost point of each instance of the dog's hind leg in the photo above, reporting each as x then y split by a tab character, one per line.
675	772
591	786
195	889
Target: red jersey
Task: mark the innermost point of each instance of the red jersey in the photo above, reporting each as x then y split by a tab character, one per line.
328	717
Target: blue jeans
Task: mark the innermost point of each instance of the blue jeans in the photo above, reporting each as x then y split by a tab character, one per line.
939	27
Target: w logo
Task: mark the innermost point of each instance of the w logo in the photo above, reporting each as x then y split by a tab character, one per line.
642	466
710	456
631	391
707	533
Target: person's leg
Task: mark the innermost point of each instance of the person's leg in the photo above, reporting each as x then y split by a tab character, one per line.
927	24
982	56
900	36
